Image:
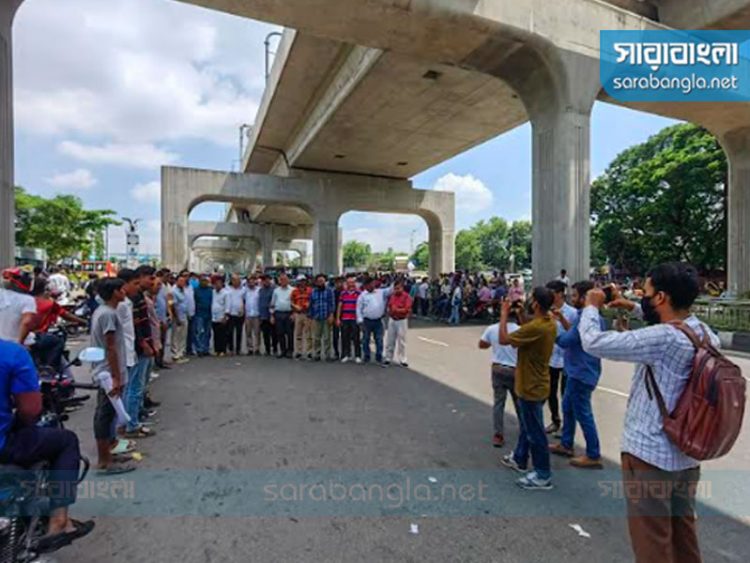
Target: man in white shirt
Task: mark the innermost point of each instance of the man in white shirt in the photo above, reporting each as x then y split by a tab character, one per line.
281	316
370	311
17	307
504	360
252	316
189	291
220	315
423	294
236	298
563	277
58	283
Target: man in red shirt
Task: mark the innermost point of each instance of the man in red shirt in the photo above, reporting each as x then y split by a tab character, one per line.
399	310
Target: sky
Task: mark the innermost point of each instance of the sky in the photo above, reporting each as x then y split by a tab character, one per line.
116	89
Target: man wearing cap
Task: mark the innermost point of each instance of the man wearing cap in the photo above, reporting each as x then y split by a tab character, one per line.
302	324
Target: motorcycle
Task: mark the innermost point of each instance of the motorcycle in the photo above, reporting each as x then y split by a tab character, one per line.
25	492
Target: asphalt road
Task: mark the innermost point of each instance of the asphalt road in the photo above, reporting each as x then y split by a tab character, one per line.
258	459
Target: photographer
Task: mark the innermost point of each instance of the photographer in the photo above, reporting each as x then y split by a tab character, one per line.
662	526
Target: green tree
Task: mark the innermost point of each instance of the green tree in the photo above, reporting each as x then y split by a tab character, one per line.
383	260
493	241
356	254
468	250
662	200
421	256
59	225
519	238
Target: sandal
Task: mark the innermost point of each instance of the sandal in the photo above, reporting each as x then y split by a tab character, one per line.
123	447
142	432
118	470
53	542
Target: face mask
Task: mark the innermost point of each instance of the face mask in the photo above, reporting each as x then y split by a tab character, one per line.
649	313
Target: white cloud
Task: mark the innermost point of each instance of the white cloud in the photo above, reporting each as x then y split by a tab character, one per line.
80	179
135	156
147	193
472	195
136	71
383	231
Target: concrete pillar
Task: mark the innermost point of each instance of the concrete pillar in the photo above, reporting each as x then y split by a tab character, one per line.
7	195
737	146
326	245
442	245
339	252
560	195
267	246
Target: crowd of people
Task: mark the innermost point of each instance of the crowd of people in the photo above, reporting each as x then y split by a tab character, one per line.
546	348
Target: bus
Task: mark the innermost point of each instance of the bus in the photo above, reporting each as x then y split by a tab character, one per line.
102	268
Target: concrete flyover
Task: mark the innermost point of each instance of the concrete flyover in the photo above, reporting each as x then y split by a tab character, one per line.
393	87
325	196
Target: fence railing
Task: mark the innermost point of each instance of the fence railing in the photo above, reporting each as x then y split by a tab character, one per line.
724	315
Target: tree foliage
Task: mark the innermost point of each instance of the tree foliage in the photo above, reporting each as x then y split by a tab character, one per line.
60	225
356	254
468	250
663	200
421	256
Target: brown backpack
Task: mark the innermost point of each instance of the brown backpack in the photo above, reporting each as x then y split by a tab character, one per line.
708	416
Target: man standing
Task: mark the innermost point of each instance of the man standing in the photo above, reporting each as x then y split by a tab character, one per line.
265	294
161	306
179	320
219	315
370	312
338	287
423	294
252	316
399	309
534	341
346	318
563	277
504	361
661	519
302	324
203	313
321	313
281	316
557	361
190	287
236	298
583	371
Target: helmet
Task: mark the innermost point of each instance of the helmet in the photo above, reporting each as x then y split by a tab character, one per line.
19	279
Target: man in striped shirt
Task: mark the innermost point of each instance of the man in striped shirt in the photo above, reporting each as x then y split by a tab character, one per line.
659	480
346	318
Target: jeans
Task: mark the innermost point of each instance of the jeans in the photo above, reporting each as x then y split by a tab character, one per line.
503	382
372	327
47	351
455	314
556	381
202	334
350	340
190	344
532	438
577	408
31	444
134	391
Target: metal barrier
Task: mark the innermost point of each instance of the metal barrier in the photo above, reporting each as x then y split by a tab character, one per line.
720	314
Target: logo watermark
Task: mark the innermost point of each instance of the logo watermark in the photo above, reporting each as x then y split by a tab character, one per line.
676	65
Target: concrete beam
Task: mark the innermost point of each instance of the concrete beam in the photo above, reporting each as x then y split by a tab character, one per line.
325	196
255	231
696	14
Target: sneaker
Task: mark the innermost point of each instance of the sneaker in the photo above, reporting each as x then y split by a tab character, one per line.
358	360
345	360
298	356
552	428
509	461
181	361
387	363
154	375
148	402
404	364
559	449
532	482
384	364
585	462
497	440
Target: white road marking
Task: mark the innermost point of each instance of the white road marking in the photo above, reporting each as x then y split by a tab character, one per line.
431	341
613	391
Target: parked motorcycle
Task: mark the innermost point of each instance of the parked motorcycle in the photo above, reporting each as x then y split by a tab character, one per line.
25	492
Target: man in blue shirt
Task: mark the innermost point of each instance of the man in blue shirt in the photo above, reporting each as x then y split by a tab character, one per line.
583	372
203	300
22	443
321	311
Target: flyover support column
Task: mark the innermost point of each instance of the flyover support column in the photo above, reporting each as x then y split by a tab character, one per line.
326	244
175	247
560	196
268	242
442	251
7	185
737	147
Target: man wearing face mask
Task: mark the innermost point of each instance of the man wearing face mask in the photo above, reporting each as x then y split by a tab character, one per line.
662	526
